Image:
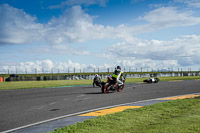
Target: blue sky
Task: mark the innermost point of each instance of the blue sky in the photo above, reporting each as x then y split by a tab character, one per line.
91	34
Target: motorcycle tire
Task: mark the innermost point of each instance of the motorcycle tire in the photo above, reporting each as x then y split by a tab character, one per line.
104	88
121	88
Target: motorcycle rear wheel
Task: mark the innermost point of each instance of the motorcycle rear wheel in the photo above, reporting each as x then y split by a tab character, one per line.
105	88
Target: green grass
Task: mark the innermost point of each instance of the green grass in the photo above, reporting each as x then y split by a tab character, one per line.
91	73
41	84
139	80
178	116
55	83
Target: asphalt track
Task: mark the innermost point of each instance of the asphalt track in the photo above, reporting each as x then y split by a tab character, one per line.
22	107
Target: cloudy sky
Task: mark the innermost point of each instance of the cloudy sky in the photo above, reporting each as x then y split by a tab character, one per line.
91	34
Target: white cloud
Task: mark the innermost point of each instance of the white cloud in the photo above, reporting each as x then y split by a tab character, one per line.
17	27
191	3
47	66
23	67
166	17
59	50
74	25
147	64
155	53
77	26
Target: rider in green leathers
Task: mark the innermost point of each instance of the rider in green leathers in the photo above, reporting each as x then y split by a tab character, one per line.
117	74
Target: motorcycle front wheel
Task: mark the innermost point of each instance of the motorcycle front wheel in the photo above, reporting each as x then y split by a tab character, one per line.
120	88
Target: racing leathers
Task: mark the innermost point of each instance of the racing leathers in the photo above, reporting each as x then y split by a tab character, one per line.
117	75
97	81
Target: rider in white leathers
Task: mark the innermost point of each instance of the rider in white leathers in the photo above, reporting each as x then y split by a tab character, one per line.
97	80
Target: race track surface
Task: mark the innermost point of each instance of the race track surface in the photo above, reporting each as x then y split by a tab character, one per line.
27	106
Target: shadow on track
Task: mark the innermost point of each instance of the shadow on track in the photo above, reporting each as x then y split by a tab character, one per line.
94	93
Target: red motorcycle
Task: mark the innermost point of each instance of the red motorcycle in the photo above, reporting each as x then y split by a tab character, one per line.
111	85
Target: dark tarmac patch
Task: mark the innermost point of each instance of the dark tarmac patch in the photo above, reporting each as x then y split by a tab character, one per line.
54	109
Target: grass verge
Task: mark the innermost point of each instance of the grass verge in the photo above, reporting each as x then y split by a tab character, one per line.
55	83
41	84
178	116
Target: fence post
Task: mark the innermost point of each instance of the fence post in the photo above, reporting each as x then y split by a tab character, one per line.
52	70
182	71
8	71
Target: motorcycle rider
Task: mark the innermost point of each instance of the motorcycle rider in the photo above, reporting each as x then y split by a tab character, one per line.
117	74
97	80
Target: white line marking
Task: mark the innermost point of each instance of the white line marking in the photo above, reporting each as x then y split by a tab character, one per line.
36	107
52	103
66	99
78	113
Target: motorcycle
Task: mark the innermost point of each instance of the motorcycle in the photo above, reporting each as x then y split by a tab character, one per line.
151	80
111	85
97	83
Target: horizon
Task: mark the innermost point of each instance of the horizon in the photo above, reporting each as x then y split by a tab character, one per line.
99	34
